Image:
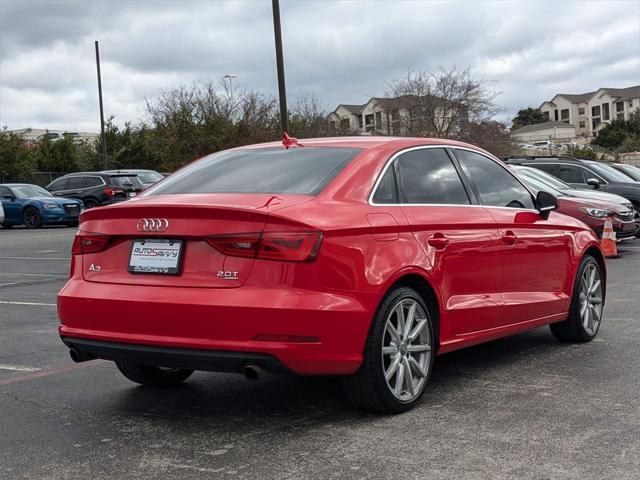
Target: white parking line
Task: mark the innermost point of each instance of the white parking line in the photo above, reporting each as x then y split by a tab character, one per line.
18	368
12	274
7	302
32	258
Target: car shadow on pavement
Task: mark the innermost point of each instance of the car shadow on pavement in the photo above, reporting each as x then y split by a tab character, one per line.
208	398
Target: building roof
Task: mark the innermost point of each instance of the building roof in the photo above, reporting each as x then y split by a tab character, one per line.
355	109
542	126
577	98
624	93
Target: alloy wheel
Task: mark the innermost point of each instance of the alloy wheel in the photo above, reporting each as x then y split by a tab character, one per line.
591	299
406	350
30	218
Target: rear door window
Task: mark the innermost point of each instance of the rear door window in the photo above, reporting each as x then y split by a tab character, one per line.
75	183
58	185
301	170
494	184
545	167
428	176
572	174
93	182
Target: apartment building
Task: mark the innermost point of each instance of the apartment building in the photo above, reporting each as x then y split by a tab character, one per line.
407	114
590	111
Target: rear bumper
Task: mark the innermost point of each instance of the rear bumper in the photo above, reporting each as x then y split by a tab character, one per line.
192	359
308	332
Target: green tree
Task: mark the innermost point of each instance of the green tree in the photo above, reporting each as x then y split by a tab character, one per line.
57	156
16	161
631	144
528	116
613	134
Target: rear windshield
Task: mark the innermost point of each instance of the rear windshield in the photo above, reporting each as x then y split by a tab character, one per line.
126	181
302	170
149	177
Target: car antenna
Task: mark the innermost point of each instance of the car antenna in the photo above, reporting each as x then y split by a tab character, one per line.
288	141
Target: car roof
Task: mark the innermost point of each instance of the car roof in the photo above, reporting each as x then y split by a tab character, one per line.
367	142
128	170
99	174
16	184
545	158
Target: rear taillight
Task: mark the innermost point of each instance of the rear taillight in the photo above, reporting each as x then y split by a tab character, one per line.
240	245
283	246
109	192
89	243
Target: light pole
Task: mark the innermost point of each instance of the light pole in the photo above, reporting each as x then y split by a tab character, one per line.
282	91
104	138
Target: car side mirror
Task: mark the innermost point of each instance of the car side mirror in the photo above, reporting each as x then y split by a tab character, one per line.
594	182
545	202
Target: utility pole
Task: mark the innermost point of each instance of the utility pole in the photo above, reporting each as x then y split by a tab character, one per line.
284	115
230	78
231	104
102	135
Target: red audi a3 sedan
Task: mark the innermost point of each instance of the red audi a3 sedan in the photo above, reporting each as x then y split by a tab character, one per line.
360	257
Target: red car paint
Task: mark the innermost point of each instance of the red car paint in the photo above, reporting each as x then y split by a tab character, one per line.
622	220
494	271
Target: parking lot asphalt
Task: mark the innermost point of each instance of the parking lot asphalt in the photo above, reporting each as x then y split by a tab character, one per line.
520	407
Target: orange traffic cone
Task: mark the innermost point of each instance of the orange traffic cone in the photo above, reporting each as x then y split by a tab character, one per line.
608	240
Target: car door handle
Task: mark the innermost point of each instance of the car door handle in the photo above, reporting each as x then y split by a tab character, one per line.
509	238
438	241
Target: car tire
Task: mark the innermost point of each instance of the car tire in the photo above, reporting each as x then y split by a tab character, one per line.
31	218
90	203
585	313
377	386
72	224
153	376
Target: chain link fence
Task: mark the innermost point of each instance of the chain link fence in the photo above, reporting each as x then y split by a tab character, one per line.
37	178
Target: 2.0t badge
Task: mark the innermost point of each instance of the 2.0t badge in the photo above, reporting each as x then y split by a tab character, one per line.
228	275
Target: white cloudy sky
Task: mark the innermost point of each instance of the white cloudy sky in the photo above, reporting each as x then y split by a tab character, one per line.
341	51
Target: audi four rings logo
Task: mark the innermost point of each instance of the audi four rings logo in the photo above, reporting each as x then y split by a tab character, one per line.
152	224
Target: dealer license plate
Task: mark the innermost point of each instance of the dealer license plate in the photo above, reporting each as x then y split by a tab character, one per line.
156	256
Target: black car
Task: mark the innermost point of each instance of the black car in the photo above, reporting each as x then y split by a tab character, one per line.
95	189
589	174
629	170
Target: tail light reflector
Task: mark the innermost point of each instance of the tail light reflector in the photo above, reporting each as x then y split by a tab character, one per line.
283	246
89	243
109	192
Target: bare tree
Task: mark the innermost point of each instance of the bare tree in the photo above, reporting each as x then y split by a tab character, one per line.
491	135
440	104
307	116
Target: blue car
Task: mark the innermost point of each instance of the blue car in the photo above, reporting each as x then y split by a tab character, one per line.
33	206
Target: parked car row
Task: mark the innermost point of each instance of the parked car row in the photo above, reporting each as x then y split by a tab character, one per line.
591	176
63	199
588	208
549	144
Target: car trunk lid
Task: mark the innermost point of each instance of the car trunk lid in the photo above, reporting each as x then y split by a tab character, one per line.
189	219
